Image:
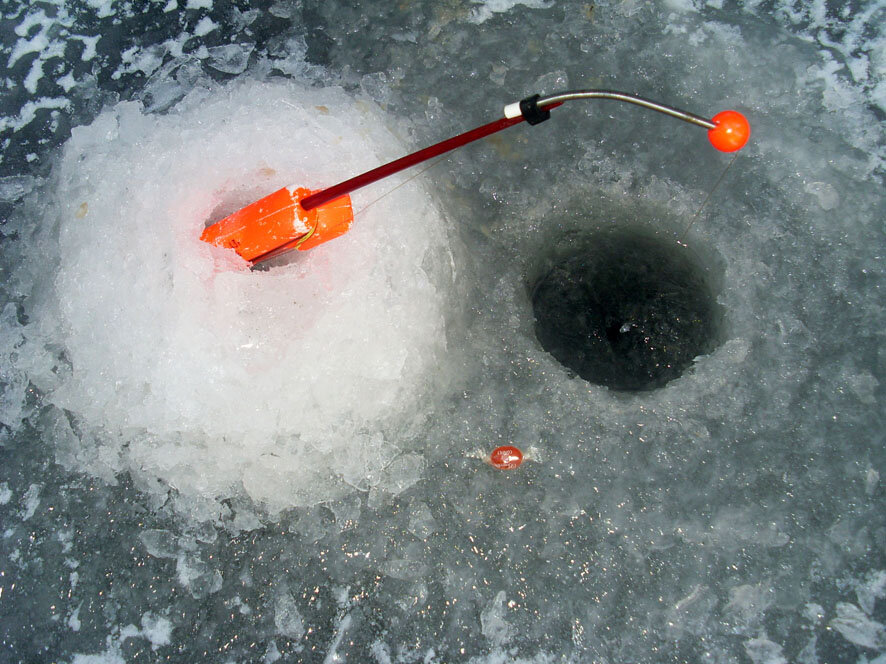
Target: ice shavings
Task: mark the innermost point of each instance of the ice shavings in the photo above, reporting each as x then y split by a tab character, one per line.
486	9
30	501
197	575
287	619
13	187
870	589
747	606
493	623
157	630
74	620
763	651
204	26
285	384
144	60
192	571
230	58
859	628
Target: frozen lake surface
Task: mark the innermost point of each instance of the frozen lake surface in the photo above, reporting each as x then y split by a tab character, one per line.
206	463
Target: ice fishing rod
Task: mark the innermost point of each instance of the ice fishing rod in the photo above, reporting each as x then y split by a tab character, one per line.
298	218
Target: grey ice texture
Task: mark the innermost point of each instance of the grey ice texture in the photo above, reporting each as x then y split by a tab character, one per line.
200	463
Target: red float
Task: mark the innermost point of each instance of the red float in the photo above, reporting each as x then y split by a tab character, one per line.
506	457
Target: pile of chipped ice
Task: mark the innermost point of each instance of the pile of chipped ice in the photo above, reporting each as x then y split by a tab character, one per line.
173	358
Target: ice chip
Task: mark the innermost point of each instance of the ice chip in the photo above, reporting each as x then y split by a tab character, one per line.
287	618
199	577
157	630
870	589
14	187
858	628
30	501
230	58
160	543
421	521
493	623
763	651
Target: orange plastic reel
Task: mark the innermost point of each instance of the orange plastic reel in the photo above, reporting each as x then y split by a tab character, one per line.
277	223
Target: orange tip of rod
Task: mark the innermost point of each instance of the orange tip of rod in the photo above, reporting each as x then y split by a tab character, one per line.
731	133
506	457
277	223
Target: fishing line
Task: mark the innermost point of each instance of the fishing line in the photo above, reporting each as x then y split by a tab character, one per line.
707	198
405	182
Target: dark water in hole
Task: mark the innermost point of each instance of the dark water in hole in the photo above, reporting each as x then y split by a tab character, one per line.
628	312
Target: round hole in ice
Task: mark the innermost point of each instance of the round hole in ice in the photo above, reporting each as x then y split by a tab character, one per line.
627	310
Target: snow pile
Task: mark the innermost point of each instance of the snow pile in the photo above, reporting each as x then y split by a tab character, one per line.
173	360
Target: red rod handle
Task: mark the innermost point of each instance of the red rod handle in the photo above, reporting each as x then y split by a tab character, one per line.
383	171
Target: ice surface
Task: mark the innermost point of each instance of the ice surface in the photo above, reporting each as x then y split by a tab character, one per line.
205	464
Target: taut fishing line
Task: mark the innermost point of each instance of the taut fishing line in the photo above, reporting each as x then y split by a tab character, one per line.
707	198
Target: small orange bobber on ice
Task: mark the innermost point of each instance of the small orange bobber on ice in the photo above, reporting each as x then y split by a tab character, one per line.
506	457
278	223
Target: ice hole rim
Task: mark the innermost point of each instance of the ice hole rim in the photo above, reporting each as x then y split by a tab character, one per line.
599	305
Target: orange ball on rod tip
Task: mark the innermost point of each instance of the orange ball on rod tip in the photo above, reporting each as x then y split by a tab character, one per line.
731	132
